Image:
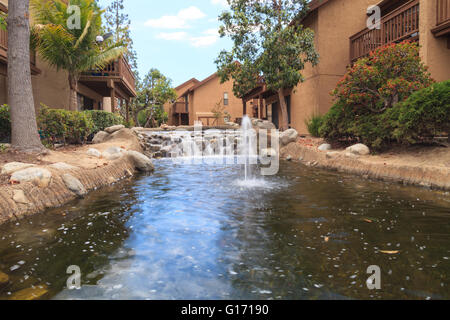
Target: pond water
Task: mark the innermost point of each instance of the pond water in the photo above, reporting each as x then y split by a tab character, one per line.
197	232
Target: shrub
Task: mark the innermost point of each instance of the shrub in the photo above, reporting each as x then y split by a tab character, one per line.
313	124
5	122
65	126
425	114
372	87
104	119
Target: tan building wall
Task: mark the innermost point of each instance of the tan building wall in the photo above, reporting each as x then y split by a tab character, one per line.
202	99
333	24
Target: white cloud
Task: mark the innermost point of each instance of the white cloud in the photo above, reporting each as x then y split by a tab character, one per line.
172	35
178	21
208	37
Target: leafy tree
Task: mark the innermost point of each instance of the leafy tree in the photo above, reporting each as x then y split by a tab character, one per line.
24	132
152	93
268	44
68	46
118	23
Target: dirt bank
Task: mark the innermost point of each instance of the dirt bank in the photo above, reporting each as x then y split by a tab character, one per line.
26	198
425	166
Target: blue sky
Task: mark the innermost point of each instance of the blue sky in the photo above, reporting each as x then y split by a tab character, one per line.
178	37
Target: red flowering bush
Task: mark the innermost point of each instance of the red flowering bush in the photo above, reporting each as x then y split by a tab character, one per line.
374	84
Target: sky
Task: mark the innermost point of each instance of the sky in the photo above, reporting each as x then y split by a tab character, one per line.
178	37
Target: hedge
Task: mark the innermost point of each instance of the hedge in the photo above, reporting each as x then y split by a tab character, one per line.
5	122
104	119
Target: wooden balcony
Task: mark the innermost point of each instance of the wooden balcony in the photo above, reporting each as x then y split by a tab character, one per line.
117	77
4	51
399	25
180	107
442	18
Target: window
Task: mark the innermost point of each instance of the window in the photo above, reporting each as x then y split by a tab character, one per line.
225	99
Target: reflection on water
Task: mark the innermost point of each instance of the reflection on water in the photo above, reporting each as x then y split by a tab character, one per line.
193	232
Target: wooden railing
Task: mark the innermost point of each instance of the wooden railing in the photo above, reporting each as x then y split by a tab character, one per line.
4	48
442	11
398	25
119	68
180	107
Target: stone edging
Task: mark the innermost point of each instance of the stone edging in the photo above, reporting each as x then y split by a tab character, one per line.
425	176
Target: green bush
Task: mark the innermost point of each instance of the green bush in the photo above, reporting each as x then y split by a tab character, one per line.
64	126
368	95
104	119
425	114
5	122
313	124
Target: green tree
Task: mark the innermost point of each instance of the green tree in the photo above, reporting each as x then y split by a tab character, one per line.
267	44
152	93
24	133
118	23
65	37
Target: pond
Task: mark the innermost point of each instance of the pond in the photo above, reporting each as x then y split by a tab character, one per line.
196	232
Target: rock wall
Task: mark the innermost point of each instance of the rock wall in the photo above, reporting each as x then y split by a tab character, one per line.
425	176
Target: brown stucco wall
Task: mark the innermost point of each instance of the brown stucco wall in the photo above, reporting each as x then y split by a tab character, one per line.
209	94
434	51
333	24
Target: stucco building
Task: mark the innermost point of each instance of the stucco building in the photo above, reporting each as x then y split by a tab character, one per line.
96	89
197	100
342	36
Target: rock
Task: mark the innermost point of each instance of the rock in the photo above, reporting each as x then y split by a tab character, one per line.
166	151
141	162
41	177
351	155
265	124
332	154
4	278
300	159
359	149
288	136
289	158
19	197
325	147
15	166
62	166
30	293
100	137
94	153
155	147
74	185
112	153
268	152
114	128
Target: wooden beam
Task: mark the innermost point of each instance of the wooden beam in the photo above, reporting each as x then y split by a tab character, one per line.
113	100
244	112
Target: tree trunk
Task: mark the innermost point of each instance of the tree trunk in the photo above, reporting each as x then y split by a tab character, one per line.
283	107
24	131
73	99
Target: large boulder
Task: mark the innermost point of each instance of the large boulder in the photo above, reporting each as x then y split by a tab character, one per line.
359	149
112	153
325	147
15	166
100	137
114	128
39	176
140	161
74	185
94	153
288	136
265	124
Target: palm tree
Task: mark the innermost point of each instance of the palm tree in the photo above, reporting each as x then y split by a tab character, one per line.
68	46
24	132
